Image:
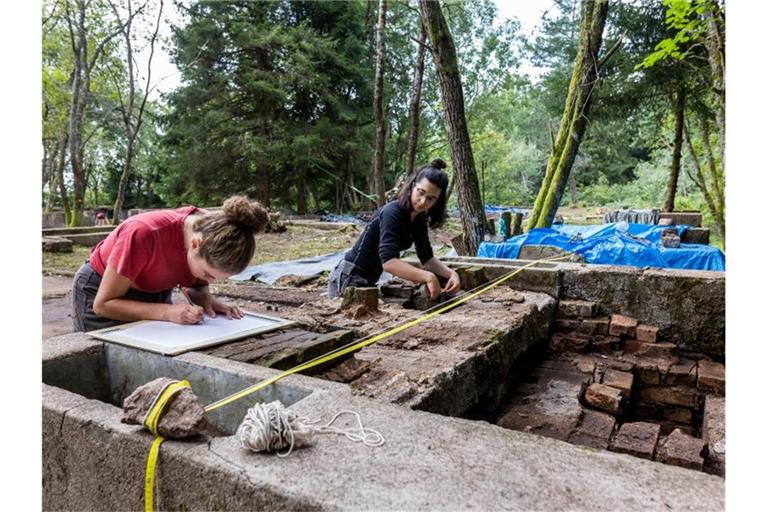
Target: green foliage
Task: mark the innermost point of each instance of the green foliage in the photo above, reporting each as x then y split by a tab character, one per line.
686	18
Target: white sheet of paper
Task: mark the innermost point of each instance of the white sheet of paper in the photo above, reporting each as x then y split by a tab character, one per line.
170	338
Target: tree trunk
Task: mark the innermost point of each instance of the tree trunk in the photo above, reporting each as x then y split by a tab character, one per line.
674	171
716	208
715	43
572	188
301	191
262	184
132	120
444	56
60	163
414	111
378	107
573	122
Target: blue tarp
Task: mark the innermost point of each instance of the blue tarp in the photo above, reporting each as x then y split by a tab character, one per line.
640	246
492	208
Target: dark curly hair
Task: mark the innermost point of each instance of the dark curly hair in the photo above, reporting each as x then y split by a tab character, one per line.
436	175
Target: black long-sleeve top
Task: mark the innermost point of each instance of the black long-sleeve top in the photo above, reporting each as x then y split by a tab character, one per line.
390	232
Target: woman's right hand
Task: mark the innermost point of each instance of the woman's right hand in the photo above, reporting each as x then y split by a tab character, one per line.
185	314
433	286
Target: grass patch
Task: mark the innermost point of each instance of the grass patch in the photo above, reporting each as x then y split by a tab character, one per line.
65	262
297	242
302	242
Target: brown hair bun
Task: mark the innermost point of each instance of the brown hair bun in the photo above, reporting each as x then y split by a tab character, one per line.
438	163
249	214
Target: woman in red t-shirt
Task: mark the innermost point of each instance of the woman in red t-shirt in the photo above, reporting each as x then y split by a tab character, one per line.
130	275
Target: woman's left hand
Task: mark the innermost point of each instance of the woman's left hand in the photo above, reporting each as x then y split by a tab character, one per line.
217	306
211	306
453	284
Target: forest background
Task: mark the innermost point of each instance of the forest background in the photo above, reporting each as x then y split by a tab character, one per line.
275	101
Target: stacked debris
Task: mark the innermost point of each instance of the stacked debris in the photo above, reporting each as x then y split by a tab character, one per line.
613	383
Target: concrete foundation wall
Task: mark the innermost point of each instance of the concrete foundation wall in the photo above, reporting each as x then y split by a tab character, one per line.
688	306
91	461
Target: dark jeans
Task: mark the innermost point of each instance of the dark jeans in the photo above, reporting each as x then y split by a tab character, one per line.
346	274
84	289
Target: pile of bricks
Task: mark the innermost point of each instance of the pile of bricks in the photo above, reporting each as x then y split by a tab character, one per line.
635	393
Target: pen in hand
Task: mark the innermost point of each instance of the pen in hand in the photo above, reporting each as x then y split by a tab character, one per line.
185	293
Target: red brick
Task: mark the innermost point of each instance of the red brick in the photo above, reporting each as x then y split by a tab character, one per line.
619	380
605	344
647	333
664	395
682	374
638	439
681	449
643	348
594	430
622	326
595	326
567	324
604	397
572	341
711	377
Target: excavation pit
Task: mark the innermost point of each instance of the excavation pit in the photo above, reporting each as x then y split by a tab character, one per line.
462	365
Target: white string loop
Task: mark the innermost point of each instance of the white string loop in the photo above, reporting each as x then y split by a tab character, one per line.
271	427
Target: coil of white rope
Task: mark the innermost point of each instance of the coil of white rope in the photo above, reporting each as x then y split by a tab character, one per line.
271	427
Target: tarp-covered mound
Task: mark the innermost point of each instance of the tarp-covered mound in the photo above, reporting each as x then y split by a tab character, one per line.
639	245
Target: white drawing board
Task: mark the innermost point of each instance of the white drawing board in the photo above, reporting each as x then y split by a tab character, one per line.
172	339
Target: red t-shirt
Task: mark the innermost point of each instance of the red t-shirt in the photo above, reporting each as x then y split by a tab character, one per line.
148	249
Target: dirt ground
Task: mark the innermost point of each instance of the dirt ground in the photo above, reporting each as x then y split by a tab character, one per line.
57	305
296	242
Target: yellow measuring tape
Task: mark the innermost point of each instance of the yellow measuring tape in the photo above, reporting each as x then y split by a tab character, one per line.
151	422
154	415
357	345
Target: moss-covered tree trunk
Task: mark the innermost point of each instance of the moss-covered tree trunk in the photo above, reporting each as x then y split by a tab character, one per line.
413	111
574	120
378	107
446	64
674	170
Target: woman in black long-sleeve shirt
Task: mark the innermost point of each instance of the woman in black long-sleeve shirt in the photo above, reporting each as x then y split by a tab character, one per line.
393	228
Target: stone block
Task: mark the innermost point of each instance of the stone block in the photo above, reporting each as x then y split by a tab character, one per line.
638	439
711	377
605	344
713	433
471	277
674	395
682	374
567	324
598	326
365	296
681	449
695	236
604	397
576	309
648	373
645	349
594	430
56	244
647	333
622	326
619	380
571	341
